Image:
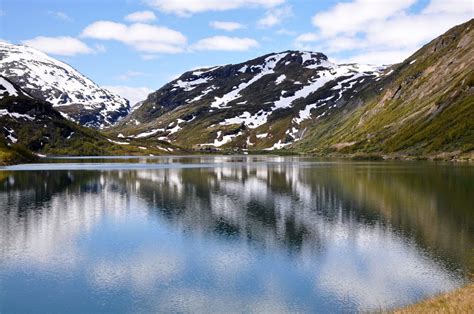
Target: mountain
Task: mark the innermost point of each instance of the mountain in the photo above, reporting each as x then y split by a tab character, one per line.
70	92
301	102
30	125
265	103
425	107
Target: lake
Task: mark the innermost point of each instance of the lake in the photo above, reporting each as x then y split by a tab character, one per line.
232	234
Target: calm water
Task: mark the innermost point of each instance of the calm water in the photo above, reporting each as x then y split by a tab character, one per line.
262	234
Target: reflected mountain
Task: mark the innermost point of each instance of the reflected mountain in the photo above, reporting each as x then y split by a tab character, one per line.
338	235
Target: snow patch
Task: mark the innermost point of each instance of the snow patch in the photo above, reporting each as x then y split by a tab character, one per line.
117	142
7	87
5	112
266	68
190	85
280	79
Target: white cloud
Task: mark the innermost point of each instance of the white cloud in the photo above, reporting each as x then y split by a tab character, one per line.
141	16
411	30
351	17
380	57
133	94
307	37
2	13
451	6
226	26
275	16
64	46
60	15
142	37
381	31
225	43
189	7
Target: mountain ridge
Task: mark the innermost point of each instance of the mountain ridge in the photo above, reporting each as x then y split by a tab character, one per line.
31	127
253	95
76	96
294	101
287	102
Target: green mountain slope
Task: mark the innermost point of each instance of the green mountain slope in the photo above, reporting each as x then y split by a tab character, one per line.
425	107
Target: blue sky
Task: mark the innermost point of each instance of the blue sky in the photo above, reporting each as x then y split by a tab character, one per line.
136	46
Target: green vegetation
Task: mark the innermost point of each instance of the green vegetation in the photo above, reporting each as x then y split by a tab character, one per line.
16	153
47	132
425	110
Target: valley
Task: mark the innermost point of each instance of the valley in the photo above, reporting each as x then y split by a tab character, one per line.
293	102
260	156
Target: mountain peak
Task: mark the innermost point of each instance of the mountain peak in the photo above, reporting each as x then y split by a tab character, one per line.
243	100
70	92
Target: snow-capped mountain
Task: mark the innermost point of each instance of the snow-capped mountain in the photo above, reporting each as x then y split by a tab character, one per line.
265	103
70	92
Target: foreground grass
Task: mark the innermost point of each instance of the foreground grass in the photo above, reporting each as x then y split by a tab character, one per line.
458	301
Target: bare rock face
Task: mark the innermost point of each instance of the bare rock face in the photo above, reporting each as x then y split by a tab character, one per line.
70	92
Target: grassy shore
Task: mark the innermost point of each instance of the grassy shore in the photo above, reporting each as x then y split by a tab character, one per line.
458	301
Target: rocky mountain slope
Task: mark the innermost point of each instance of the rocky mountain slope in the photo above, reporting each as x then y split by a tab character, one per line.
265	103
70	92
300	101
424	108
30	125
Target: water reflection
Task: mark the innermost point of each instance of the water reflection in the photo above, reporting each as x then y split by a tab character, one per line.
248	235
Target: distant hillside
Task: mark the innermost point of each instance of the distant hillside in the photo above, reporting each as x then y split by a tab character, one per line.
29	125
70	92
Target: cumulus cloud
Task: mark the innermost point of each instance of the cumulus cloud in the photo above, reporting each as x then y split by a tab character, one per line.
142	37
275	16
63	45
189	7
307	38
133	94
452	6
141	16
225	43
379	57
351	17
381	31
226	26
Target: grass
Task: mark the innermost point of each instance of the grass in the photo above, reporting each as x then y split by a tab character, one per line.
458	301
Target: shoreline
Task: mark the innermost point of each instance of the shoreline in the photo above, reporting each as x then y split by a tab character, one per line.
458	301
467	158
